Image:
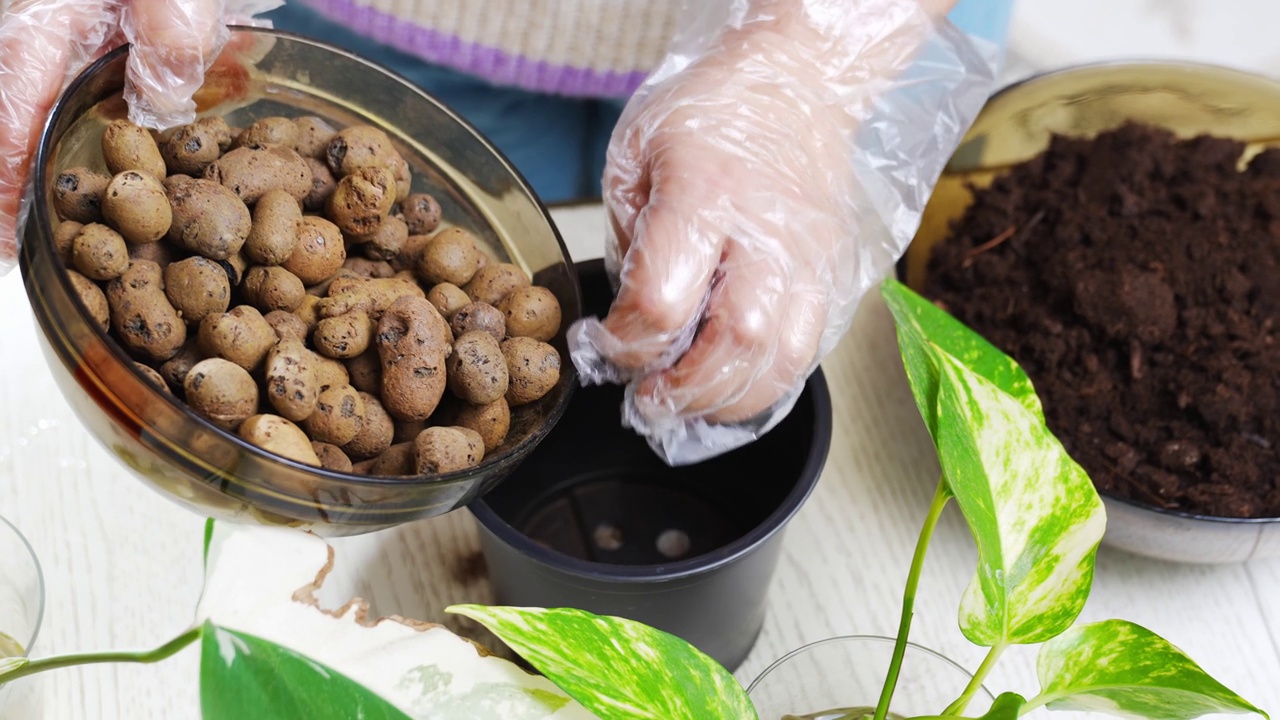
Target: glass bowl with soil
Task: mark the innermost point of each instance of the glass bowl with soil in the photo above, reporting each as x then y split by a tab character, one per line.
1116	229
208	461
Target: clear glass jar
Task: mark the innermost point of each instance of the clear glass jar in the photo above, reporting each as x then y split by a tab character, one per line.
840	679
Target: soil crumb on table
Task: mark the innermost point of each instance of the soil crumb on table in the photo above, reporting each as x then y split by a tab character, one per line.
1136	278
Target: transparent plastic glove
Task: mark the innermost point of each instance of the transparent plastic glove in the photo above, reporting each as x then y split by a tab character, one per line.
45	43
764	177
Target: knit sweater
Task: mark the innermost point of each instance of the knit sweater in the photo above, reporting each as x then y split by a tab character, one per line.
596	48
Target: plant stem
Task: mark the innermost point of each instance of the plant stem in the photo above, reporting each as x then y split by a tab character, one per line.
975	682
147	656
940	498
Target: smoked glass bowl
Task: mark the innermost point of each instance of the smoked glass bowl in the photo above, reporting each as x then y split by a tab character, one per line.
215	473
1188	99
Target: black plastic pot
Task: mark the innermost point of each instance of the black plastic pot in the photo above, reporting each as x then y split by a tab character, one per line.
594	520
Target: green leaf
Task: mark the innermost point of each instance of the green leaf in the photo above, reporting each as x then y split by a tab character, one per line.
1033	512
208	538
242	676
1124	669
920	322
616	668
1006	707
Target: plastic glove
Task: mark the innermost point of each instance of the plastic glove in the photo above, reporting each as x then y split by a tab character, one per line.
763	178
45	43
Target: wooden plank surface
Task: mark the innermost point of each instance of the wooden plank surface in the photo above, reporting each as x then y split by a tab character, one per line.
123	570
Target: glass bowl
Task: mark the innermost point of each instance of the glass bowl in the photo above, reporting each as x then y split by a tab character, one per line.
215	473
21	597
1188	99
833	679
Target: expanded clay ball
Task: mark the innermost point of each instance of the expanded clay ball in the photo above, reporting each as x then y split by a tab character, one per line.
331	457
93	299
492	283
240	335
99	253
448	299
447	449
268	288
268	131
135	205
359	146
218	257
421	213
450	256
323	184
77	194
531	312
492	421
197	287
276	434
314	135
477	368
387	241
208	219
189	149
479	316
533	368
126	146
273	233
221	391
319	251
362	200
250	172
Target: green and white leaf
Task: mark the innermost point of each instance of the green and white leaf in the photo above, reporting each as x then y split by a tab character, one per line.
1033	511
919	323
262	581
1124	669
242	676
617	668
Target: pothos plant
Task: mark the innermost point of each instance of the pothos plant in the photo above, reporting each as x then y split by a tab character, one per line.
1032	511
1036	521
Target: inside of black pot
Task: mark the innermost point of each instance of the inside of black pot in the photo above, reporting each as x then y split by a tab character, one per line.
594	490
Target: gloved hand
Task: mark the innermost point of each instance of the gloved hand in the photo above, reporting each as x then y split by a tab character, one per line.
763	178
45	43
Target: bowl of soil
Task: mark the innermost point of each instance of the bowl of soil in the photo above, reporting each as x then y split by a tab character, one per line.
1116	229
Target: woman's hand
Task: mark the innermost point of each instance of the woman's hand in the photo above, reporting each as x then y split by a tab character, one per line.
744	228
44	43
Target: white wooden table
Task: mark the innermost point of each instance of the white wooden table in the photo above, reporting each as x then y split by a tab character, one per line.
122	564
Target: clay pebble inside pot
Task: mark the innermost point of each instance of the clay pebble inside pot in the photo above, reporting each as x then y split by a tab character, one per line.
594	520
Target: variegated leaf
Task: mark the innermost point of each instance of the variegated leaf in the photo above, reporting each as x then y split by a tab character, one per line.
920	322
616	668
424	670
1033	512
1124	669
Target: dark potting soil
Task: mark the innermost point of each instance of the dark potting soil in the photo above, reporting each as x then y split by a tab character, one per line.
1136	278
